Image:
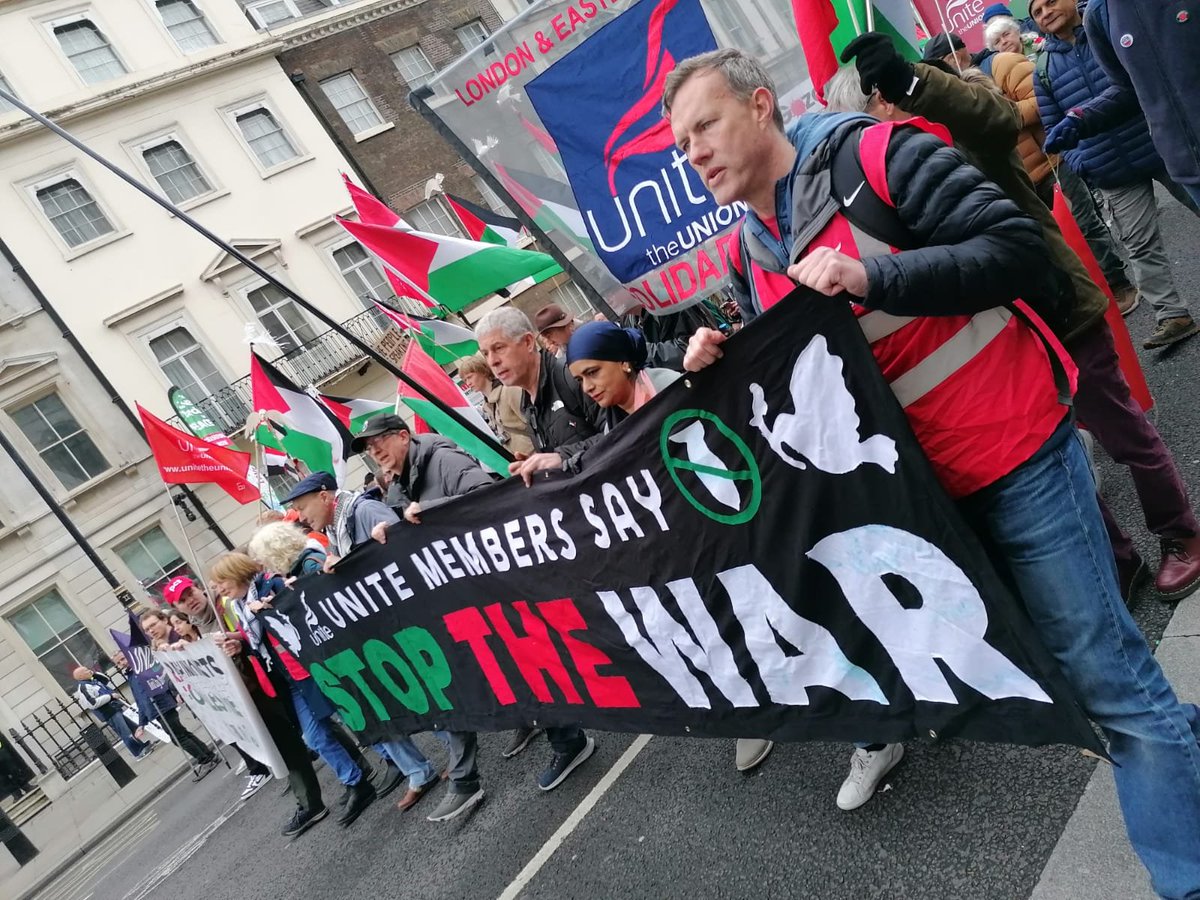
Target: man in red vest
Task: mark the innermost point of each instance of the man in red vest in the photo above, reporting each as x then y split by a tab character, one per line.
984	384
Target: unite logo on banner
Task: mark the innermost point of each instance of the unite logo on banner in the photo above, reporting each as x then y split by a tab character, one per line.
647	213
963	17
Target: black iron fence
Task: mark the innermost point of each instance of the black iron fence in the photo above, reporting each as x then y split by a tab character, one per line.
54	733
314	362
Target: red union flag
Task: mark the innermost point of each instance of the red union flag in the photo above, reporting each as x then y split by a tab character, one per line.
186	459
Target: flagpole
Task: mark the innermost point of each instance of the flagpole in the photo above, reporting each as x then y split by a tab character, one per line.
870	15
258	270
260	470
853	17
195	559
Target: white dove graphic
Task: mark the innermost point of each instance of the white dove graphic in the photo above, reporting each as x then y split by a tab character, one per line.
823	430
723	489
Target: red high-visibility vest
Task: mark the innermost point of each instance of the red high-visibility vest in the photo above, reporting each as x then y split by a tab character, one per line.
978	390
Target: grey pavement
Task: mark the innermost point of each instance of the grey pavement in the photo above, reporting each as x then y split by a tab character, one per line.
1093	858
957	821
84	821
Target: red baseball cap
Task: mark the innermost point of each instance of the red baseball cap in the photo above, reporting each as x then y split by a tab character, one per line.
175	588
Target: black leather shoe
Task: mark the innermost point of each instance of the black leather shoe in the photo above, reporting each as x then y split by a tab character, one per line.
361	797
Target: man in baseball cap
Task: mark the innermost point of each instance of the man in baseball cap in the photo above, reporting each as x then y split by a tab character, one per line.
176	587
182	593
427	470
378	426
555	326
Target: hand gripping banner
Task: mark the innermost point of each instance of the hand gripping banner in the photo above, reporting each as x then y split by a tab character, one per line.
762	550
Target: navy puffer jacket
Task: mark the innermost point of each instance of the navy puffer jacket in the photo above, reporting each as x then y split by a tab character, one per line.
1115	158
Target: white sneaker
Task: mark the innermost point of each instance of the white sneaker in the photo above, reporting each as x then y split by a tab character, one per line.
253	785
750	752
867	769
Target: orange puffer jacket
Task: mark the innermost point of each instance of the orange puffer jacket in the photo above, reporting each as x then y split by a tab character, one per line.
1014	74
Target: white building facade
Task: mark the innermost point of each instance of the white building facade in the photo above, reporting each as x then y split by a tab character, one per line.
188	96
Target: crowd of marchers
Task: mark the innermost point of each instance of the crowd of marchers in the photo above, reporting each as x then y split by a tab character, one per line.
923	198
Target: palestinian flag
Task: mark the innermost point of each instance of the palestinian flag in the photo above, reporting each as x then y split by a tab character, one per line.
483	224
314	434
444	341
274	458
421	368
454	271
372	212
355	413
548	202
825	27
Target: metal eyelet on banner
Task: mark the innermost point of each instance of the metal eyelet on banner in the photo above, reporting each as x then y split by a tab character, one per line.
933	734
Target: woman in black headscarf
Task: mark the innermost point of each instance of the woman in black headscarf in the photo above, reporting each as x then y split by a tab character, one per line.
610	364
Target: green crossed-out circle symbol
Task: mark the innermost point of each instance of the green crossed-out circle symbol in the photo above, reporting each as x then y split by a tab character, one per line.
674	465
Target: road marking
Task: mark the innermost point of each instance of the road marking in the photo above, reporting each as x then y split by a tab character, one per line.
109	847
172	863
81	878
572	821
118	845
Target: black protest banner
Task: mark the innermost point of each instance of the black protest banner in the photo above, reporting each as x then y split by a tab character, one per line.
760	551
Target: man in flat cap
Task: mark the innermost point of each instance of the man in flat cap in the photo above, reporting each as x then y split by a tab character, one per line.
427	469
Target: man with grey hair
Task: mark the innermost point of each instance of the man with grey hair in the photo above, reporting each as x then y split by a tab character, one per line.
554	405
993	419
560	417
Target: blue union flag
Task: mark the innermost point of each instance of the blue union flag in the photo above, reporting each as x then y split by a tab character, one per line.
642	204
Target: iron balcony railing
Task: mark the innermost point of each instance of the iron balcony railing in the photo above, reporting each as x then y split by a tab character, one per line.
316	362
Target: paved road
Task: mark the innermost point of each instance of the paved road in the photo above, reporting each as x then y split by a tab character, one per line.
959	820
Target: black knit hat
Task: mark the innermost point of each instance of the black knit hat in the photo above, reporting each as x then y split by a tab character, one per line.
941	45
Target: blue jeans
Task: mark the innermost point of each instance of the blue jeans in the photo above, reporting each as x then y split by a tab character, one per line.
1043	524
318	737
120	725
409	760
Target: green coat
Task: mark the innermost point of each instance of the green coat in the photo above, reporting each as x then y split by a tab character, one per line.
985	126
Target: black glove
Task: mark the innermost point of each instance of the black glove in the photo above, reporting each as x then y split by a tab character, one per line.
880	67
